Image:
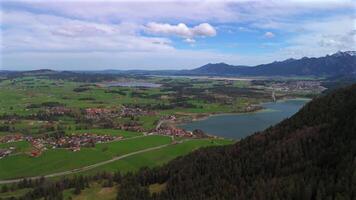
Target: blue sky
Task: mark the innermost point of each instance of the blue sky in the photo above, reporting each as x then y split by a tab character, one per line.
170	34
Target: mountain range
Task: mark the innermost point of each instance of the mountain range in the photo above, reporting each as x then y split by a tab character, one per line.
336	65
340	63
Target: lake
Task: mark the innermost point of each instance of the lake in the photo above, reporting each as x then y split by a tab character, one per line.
133	84
237	126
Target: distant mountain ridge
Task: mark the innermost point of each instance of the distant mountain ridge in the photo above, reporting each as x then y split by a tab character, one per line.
337	64
340	63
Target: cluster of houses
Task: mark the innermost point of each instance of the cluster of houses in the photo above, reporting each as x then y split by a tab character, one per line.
132	112
164	128
7	139
58	110
11	138
296	86
169	130
95	113
72	142
173	131
104	113
6	151
168	117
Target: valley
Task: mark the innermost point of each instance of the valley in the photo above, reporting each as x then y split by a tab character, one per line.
92	127
57	123
177	100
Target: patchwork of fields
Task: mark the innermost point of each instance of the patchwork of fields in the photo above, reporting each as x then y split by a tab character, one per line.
43	106
74	127
52	105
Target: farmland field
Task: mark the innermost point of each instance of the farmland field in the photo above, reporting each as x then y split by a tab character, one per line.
158	157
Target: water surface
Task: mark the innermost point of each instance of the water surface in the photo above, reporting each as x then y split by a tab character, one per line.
133	84
237	126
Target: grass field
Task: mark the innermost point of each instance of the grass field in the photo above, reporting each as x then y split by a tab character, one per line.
133	163
158	157
57	160
21	146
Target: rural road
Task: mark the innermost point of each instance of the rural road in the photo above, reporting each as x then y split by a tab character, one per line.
86	168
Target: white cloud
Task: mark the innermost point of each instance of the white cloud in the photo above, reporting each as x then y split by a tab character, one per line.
204	29
195	11
181	30
322	37
269	35
189	40
141	11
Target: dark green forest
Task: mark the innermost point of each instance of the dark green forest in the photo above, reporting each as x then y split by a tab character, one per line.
311	155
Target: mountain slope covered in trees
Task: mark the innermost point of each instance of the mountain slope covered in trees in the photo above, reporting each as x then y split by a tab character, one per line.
311	155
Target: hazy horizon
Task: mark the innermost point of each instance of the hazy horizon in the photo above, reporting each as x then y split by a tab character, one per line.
138	68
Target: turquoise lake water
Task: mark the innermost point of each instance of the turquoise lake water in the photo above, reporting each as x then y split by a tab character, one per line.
237	126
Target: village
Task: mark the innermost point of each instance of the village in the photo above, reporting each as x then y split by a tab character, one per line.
72	142
97	113
165	127
298	86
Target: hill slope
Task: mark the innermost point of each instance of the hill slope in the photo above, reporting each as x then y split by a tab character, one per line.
311	155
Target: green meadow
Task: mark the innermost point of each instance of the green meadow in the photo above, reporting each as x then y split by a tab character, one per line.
158	157
58	160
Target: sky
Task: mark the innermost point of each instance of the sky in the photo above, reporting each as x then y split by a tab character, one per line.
169	34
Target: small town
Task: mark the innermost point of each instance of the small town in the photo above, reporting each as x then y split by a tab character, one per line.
173	131
71	142
298	86
164	127
97	113
74	142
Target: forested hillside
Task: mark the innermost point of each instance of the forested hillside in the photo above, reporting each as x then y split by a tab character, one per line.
312	155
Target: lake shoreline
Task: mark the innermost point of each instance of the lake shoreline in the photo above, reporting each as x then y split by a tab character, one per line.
261	109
